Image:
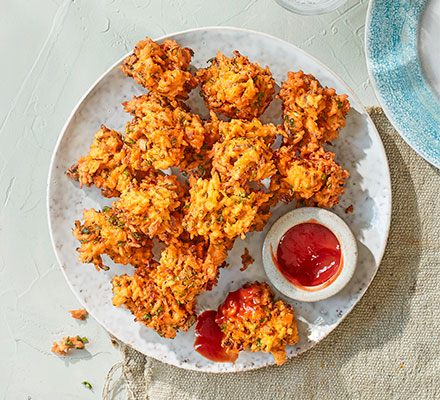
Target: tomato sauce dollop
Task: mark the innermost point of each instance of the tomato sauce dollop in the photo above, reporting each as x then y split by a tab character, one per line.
239	305
309	254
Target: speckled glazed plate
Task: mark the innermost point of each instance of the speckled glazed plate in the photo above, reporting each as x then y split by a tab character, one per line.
359	149
403	57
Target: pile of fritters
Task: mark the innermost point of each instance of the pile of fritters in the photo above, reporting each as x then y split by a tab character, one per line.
198	220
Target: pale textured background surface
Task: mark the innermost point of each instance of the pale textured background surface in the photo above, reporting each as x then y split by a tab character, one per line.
53	50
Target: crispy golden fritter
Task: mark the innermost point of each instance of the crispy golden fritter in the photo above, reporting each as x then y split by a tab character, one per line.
198	162
312	114
316	178
104	165
155	308
236	87
251	319
161	68
145	105
160	132
243	153
153	207
162	296
103	232
224	212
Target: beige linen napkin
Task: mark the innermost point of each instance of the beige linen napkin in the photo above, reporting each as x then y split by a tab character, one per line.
387	348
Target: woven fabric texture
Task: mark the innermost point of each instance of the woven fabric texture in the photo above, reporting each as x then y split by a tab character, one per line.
387	348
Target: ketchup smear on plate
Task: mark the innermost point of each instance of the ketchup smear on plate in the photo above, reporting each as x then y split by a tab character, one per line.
209	338
309	254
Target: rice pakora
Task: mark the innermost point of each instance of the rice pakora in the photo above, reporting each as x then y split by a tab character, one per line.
251	319
312	114
104	165
236	87
198	162
161	68
153	207
224	212
162	296
104	233
160	132
243	153
316	178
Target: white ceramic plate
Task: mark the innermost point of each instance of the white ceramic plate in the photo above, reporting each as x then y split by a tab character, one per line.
359	149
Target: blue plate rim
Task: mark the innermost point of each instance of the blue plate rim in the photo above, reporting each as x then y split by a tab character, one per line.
401	103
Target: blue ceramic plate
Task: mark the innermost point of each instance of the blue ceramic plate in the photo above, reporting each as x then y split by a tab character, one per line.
402	48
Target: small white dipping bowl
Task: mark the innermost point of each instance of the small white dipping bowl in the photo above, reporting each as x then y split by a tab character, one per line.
346	240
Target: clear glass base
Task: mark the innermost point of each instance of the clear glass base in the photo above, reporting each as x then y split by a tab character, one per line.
310	7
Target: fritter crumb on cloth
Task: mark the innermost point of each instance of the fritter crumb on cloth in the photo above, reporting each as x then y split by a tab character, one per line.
153	207
224	212
161	68
68	343
162	296
246	259
312	114
104	233
104	165
79	314
160	132
236	87
243	153
316	178
251	319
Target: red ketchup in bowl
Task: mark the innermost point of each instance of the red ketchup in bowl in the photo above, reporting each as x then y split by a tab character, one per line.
309	255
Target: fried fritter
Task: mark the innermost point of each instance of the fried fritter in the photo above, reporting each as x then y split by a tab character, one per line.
198	162
162	296
224	212
250	319
243	153
160	132
312	114
153	207
161	68
103	232
315	178
236	87
155	308
104	165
